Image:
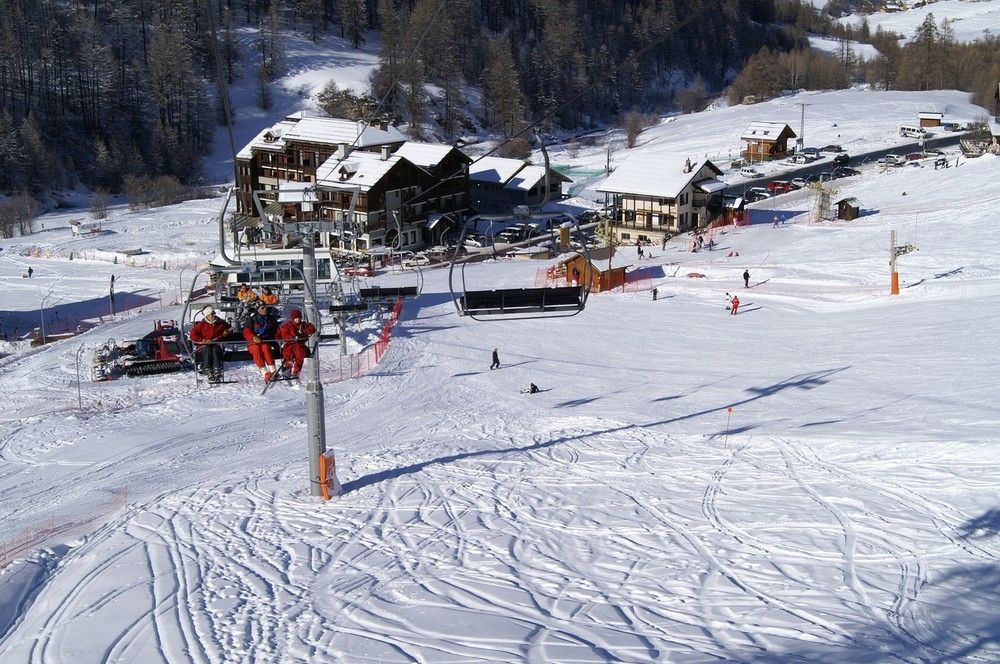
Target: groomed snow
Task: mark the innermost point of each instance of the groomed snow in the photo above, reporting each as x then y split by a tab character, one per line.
845	510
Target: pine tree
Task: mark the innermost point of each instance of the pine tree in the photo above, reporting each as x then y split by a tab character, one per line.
310	12
504	102
354	20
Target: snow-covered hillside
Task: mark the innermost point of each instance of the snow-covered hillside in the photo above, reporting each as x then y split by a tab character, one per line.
969	18
813	479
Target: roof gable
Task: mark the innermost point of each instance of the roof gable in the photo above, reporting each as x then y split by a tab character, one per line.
767	132
659	178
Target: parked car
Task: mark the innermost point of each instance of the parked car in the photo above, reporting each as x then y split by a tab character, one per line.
952	126
810	153
844	172
941	162
754	194
417	260
912	156
891	160
476	241
750	172
831	148
842	159
587	216
933	153
777	187
797	159
798	183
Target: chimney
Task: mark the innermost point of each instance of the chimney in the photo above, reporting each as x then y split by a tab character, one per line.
343	149
383	125
386	151
687	165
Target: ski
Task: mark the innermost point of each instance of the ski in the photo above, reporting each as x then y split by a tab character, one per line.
276	378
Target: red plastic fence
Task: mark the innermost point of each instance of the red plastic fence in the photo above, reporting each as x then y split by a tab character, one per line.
359	364
34	538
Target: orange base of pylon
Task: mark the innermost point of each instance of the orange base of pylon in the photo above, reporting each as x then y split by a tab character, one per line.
895	283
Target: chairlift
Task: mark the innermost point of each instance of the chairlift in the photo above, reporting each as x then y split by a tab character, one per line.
383	294
518	303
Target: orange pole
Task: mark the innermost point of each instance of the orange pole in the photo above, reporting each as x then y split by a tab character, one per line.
323	475
895	283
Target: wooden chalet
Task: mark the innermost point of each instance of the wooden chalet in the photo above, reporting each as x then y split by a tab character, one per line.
766	140
652	199
293	150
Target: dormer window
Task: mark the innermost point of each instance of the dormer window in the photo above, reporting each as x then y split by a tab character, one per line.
270	138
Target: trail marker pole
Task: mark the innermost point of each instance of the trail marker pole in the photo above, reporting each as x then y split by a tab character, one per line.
728	418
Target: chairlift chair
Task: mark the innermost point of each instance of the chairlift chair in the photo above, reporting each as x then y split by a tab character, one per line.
381	294
518	303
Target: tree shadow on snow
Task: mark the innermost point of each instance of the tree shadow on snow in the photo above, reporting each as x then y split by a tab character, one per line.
807	381
984	525
959	626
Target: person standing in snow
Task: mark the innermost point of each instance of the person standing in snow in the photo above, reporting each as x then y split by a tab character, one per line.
496	360
746	278
663	244
654	295
735	305
30	272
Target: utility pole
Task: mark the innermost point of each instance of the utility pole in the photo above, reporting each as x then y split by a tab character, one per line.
894	252
801	140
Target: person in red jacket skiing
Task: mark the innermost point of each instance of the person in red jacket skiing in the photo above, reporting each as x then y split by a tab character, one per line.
205	335
735	305
259	334
294	332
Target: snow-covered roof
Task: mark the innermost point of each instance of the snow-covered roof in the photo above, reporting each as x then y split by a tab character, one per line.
929	115
361	170
664	178
710	185
766	131
494	169
526	178
424	154
297	192
325	131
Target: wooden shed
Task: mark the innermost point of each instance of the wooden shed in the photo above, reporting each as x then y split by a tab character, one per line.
848	209
576	267
930	119
766	140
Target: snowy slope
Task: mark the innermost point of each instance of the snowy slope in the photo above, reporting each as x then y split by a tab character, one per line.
846	509
970	19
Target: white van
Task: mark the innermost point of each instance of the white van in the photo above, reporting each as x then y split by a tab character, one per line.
912	131
749	172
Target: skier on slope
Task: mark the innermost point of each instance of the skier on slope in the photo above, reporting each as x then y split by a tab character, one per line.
294	332
259	334
496	360
735	305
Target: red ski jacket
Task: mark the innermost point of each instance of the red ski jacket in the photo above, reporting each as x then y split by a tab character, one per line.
292	331
204	332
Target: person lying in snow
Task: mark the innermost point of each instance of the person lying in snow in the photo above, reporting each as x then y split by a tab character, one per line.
533	389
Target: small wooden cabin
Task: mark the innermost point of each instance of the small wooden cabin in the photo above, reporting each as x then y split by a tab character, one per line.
930	119
579	270
766	140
